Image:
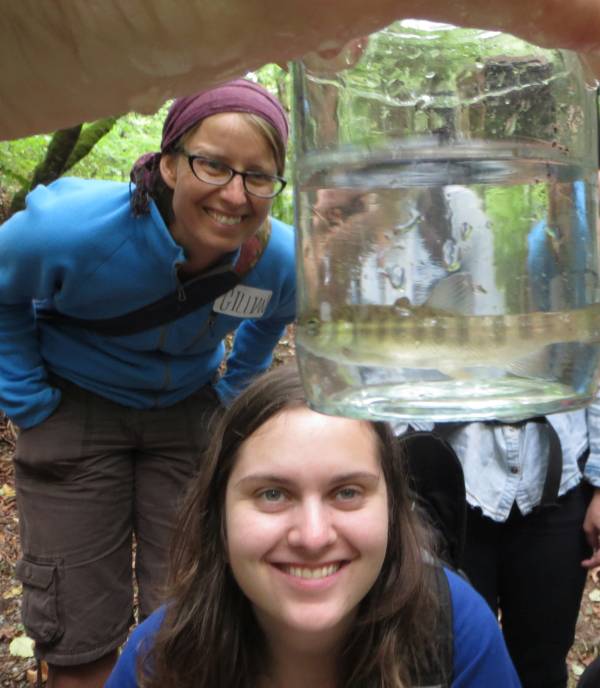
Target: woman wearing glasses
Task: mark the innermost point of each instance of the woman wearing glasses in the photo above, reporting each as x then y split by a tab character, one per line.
115	301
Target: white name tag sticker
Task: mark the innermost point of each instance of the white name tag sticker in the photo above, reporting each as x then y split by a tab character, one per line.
243	302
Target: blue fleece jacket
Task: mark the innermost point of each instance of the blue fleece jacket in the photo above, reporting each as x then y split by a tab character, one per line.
77	248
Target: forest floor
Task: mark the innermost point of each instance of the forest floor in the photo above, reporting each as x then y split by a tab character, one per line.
19	672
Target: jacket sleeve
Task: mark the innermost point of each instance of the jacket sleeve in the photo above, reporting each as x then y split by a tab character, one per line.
26	273
255	339
253	347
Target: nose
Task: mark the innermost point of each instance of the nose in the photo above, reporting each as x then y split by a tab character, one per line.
312	527
233	192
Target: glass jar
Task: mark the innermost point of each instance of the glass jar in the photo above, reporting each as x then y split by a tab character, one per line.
446	194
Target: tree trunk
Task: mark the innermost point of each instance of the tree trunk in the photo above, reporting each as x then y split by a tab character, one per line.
66	148
88	138
59	149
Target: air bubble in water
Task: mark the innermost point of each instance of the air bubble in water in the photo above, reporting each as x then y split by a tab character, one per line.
397	276
451	255
465	231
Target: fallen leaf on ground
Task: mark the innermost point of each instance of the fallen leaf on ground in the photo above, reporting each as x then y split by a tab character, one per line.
21	647
15	591
7	491
594	596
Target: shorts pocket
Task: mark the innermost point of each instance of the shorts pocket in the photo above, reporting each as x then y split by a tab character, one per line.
40	600
54	447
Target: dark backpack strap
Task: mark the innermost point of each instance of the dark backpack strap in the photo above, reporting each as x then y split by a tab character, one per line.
445	630
555	466
194	294
437	480
198	293
440	669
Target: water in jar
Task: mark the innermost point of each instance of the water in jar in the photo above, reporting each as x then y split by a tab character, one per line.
456	285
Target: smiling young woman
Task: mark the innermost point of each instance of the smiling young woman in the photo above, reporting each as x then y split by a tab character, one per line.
215	207
299	561
307	530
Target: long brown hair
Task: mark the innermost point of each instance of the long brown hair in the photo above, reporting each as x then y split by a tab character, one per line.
210	638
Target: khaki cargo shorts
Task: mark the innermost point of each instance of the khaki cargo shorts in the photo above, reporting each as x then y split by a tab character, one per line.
89	478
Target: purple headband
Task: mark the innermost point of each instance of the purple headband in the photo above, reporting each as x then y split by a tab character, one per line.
240	95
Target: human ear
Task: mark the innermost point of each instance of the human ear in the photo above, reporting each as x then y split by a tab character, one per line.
168	169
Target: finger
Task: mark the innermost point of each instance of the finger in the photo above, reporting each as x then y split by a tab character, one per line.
593	561
591	537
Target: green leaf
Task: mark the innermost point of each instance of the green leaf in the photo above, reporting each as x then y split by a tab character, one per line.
21	646
14	176
595	595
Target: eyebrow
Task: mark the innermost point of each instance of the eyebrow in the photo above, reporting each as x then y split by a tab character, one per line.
221	157
283	481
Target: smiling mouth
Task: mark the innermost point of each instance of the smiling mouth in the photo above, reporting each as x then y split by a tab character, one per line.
224	219
311	572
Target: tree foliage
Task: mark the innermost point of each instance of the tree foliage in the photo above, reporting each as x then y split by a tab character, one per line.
65	149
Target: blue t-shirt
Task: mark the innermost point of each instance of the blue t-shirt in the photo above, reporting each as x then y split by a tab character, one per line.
480	656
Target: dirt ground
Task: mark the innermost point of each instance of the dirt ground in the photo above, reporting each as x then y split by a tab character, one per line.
18	672
13	670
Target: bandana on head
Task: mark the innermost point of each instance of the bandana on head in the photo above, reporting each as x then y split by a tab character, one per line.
240	95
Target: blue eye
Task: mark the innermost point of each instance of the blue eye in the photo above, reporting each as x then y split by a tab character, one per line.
347	493
272	495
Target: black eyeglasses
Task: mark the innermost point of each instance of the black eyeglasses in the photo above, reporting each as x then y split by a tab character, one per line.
219	174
